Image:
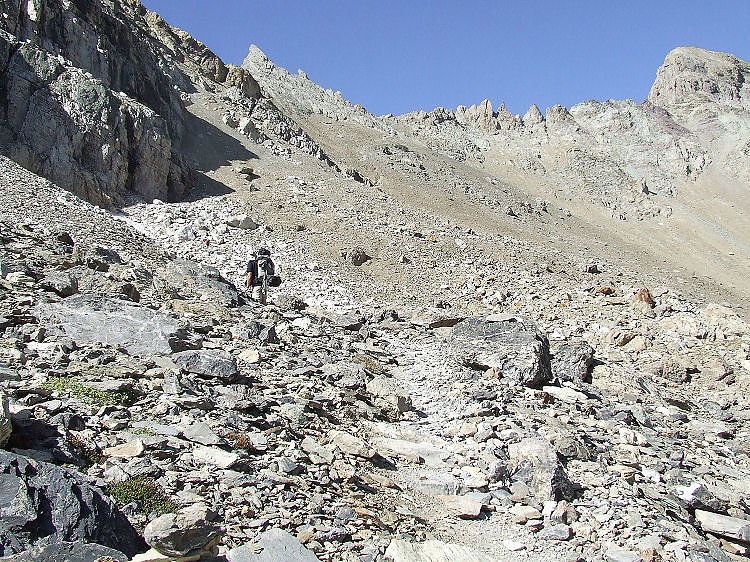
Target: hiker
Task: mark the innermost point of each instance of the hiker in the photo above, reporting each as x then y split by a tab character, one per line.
261	273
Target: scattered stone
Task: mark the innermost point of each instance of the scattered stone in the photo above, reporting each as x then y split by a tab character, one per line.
274	545
209	363
723	525
215	456
433	551
559	532
462	506
359	257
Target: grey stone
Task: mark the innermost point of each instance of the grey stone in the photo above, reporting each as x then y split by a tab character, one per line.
202	433
559	532
185	278
515	348
573	362
94	318
208	363
43	504
178	534
534	462
60	282
359	257
723	525
274	545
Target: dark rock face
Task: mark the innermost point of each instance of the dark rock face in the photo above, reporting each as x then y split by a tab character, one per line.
138	329
516	349
68	552
43	504
102	120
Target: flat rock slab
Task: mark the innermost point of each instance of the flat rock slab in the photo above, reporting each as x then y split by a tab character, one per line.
723	525
94	318
274	545
42	504
434	551
513	347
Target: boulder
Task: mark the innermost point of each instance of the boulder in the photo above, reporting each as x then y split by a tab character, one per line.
208	363
186	278
95	318
534	462
274	545
573	362
60	282
42	504
723	525
243	222
513	347
189	531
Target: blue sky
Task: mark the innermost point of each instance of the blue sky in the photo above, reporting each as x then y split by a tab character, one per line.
394	57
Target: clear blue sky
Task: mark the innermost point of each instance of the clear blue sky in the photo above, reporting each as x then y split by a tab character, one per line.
397	56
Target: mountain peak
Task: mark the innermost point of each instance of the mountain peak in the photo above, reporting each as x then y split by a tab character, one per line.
694	74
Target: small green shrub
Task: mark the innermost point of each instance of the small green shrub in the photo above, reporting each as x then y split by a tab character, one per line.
88	452
148	494
91	394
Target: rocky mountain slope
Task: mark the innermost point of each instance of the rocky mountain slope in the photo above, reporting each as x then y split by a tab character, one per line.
498	337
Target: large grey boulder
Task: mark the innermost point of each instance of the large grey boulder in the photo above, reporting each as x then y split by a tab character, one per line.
209	363
274	545
95	318
186	278
513	347
43	504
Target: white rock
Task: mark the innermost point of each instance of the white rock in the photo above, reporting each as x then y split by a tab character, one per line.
214	456
434	551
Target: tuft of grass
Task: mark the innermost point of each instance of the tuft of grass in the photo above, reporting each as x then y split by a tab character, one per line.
142	431
149	496
89	393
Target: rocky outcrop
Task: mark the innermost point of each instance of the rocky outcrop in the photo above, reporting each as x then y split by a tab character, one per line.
196	56
43	504
91	96
86	103
693	74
